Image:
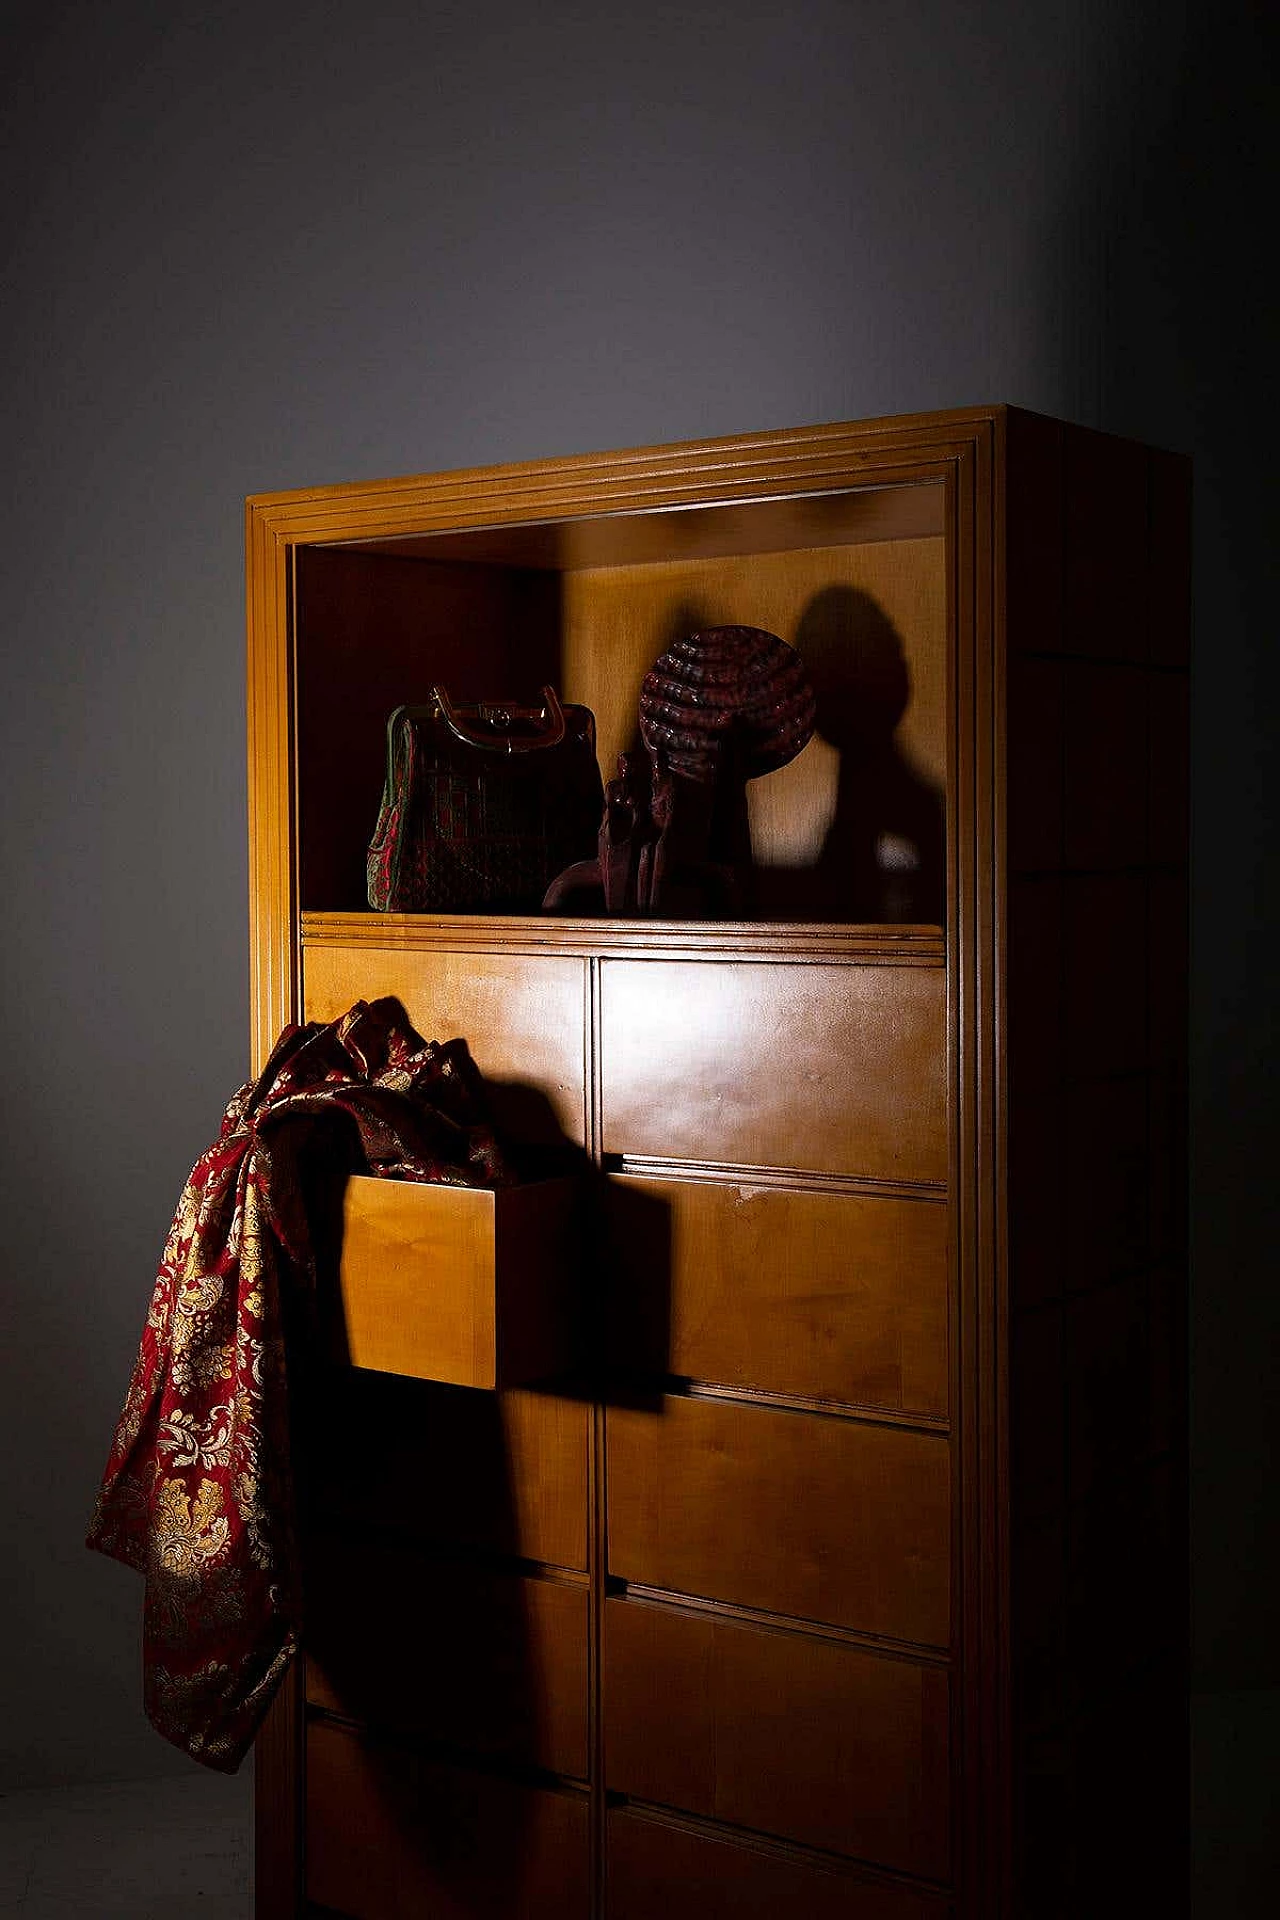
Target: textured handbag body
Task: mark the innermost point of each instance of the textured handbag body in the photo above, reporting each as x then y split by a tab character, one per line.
483	805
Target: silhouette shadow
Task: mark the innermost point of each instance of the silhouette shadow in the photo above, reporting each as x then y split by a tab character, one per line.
882	858
634	1316
434	1521
586	899
416	1632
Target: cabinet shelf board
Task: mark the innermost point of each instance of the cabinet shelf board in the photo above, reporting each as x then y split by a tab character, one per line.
888	945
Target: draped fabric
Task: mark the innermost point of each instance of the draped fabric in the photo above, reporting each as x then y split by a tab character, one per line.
198	1493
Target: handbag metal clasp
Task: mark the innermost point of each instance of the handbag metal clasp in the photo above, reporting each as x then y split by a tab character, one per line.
550	712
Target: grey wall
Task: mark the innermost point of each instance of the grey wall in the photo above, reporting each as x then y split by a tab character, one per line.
248	246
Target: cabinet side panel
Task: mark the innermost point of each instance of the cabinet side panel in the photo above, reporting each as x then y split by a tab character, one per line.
1097	1011
278	1786
278	1755
272	850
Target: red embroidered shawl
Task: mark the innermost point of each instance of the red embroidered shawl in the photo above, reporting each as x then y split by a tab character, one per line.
198	1490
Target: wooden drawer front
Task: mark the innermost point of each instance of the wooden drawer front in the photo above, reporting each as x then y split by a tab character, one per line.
659	1871
521	1016
499	1470
836	1069
802	1738
391	1836
826	1296
824	1519
468	1656
459	1284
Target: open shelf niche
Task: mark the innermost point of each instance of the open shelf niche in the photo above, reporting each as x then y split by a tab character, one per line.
851	832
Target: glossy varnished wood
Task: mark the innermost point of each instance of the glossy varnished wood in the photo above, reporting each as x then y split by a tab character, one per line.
523	1022
834	1069
886	944
789	1734
795	1513
840	1297
769	473
459	1284
834	520
279	1813
273	875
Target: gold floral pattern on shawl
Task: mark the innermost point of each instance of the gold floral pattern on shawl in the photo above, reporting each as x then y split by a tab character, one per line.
200	1367
180	1605
194	1442
256	1516
188	1533
198	1490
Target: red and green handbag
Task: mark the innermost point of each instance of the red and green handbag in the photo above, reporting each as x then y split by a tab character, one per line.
483	805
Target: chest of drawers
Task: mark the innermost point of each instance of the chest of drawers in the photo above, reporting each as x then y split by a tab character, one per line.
839	1574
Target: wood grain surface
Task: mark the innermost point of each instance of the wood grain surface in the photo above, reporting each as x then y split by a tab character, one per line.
792	1735
522	1020
457	1284
834	1069
828	1520
826	1296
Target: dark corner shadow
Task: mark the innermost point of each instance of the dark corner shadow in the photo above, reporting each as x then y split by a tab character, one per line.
418	1630
883	856
631	1273
424	1623
420	1627
1148	255
616	1304
587	899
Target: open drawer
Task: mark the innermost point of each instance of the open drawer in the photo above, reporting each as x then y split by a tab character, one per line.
459	1284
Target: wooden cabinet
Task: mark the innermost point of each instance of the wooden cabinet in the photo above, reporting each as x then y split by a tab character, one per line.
841	1571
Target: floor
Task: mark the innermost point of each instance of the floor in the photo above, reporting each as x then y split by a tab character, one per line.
174	1849
181	1849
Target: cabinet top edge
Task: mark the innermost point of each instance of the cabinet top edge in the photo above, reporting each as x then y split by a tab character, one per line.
915	430
898	451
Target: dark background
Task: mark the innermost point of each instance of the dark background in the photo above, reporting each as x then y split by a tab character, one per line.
257	246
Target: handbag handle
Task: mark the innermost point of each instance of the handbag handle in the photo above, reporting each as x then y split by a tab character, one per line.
550	710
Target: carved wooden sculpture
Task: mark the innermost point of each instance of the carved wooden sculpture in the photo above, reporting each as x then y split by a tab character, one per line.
717	709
